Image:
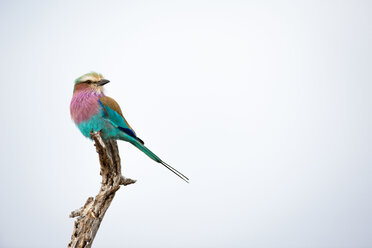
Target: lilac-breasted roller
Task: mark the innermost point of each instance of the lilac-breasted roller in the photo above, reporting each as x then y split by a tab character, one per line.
91	110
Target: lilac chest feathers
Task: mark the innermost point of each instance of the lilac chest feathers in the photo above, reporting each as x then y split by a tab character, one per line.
84	105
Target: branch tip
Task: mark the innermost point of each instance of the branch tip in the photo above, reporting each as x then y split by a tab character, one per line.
126	181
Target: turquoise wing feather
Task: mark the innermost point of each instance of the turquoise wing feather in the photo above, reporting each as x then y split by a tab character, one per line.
112	112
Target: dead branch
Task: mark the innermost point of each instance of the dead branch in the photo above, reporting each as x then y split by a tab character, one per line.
90	216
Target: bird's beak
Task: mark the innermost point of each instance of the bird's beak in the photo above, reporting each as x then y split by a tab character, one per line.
102	82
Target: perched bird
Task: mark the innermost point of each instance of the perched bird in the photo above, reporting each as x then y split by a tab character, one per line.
91	110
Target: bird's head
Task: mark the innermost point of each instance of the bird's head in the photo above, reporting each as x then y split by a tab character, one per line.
92	81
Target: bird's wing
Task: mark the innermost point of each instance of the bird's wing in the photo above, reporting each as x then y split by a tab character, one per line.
113	112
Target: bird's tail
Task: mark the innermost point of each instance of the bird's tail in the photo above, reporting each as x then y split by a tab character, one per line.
149	153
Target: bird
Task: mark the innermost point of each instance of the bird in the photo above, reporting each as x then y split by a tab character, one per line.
92	110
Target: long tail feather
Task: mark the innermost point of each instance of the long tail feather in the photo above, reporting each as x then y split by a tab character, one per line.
157	159
182	176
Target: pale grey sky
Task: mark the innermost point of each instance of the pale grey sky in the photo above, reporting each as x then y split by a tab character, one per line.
264	105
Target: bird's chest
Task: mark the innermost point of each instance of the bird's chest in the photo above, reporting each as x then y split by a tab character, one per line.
83	108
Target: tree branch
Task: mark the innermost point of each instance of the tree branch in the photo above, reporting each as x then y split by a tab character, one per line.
90	216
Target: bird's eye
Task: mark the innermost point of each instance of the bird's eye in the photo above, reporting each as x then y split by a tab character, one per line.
88	82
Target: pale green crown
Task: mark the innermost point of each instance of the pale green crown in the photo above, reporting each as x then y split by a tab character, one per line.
92	76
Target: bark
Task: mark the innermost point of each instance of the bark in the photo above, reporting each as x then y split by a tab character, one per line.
90	216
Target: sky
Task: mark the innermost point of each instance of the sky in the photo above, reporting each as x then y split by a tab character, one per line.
264	105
